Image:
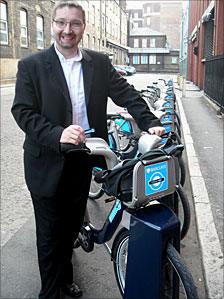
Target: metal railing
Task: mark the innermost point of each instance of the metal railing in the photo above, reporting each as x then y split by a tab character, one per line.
214	79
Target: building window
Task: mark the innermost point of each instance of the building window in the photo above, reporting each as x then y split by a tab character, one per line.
23	29
111	26
152	59
93	15
148	21
88	41
135	25
4	24
152	42
82	43
136	59
93	43
144	43
135	15
174	60
40	32
148	9
135	42
144	59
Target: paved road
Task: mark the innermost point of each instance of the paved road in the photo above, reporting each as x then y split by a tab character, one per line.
94	271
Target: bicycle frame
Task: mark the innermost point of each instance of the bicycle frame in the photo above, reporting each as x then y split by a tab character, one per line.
103	235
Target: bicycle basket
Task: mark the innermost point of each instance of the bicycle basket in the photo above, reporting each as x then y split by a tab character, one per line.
118	182
139	182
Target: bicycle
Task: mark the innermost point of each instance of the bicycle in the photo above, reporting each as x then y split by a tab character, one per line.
123	135
180	203
165	110
135	196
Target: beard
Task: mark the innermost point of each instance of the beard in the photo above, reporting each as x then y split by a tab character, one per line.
66	44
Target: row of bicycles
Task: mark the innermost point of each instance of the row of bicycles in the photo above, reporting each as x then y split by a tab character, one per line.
144	179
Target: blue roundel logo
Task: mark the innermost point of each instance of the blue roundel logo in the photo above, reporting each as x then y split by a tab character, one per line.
156	178
156	181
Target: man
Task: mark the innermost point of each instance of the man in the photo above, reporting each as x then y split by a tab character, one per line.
60	92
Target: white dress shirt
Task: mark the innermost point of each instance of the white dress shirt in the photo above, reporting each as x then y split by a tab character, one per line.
72	69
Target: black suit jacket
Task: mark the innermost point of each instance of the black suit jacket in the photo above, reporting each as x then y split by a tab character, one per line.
42	108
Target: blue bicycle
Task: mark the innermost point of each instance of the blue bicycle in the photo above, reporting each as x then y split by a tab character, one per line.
138	187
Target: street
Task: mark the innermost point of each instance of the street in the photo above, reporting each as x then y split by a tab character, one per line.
19	262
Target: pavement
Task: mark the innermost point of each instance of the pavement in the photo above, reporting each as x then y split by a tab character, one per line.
201	249
203	138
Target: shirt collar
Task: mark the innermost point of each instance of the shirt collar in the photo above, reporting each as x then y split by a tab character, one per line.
77	57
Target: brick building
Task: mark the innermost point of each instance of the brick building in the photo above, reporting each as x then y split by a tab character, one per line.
26	28
154	36
206	47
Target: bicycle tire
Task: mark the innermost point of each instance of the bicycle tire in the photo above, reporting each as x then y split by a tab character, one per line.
178	130
182	170
95	190
124	142
177	117
187	289
172	263
183	200
120	240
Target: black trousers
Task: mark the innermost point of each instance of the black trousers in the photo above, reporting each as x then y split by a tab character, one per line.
58	221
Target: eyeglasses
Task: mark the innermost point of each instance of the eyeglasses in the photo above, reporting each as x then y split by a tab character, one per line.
73	24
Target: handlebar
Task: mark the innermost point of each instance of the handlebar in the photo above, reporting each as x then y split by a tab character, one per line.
67	148
164	81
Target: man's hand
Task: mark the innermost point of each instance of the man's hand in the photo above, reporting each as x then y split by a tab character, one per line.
73	134
156	130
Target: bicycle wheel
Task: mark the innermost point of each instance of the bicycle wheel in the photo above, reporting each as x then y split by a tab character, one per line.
124	130
124	142
177	281
119	255
183	212
182	171
178	130
95	190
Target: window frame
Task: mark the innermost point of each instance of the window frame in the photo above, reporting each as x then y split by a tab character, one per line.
4	21
144	43
42	31
25	27
136	41
93	43
144	59
152	42
136	59
174	58
148	21
152	59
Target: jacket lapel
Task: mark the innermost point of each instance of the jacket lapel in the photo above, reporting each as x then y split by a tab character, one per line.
53	65
87	67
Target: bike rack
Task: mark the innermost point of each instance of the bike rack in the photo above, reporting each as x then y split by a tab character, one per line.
150	230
